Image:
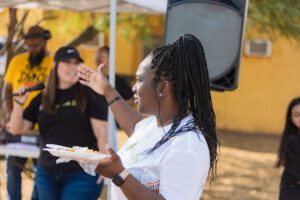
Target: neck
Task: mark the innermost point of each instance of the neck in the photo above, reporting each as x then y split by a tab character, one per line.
167	113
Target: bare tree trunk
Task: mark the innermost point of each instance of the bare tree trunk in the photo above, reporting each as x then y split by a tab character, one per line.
85	36
10	34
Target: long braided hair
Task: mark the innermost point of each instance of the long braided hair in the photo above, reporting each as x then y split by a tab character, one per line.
183	63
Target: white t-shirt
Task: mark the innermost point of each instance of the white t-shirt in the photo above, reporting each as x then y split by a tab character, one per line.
178	169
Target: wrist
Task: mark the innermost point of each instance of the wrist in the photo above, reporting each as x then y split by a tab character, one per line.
108	91
115	99
120	178
18	102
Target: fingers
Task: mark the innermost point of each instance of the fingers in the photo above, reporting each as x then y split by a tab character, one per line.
22	91
83	82
84	76
85	69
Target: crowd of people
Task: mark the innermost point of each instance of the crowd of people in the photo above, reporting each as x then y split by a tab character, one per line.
172	146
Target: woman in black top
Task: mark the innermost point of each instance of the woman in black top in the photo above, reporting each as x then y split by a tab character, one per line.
67	114
289	154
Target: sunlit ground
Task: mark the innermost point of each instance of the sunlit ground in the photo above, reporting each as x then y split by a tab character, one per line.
245	170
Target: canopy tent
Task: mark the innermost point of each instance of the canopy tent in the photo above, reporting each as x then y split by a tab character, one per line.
124	6
104	6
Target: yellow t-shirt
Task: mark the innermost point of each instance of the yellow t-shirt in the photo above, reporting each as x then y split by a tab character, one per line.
20	74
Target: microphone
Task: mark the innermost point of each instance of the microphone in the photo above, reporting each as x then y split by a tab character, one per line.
39	86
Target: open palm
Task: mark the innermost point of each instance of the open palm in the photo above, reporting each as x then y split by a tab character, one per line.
94	79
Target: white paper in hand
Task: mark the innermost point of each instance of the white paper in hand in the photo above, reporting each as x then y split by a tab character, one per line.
88	159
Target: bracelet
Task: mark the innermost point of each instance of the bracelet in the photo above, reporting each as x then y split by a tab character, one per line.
117	98
18	102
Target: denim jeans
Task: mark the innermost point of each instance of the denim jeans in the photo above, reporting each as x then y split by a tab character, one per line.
14	180
58	184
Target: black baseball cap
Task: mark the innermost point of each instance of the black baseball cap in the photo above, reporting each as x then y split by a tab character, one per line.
67	52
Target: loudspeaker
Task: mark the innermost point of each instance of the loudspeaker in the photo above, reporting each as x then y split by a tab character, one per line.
219	25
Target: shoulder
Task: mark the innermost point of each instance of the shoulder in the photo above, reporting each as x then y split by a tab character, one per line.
120	79
36	102
20	57
91	95
49	57
37	98
144	123
192	142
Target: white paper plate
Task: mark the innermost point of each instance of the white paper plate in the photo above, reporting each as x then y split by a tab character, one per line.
80	153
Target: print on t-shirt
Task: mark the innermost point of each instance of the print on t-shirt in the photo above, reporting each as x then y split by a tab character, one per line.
31	76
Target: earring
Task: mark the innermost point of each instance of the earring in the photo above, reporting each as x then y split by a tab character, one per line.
160	94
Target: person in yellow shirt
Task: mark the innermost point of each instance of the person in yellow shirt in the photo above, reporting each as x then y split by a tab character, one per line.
26	69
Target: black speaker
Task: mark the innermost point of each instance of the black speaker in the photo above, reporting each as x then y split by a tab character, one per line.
219	25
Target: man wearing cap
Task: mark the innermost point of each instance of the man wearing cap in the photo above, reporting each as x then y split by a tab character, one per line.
26	69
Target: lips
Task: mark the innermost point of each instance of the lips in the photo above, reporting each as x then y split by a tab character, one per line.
72	74
136	99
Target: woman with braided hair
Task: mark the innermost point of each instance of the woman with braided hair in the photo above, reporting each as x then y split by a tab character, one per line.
170	153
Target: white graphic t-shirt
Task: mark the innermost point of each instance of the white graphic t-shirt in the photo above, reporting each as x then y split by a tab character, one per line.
177	170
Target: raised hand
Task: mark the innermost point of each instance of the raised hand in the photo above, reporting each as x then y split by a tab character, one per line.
95	79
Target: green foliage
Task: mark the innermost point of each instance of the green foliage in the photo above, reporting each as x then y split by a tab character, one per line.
275	18
131	25
67	24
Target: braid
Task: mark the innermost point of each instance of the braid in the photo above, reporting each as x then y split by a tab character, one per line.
184	64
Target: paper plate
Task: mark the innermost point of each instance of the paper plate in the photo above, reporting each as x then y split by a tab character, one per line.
74	153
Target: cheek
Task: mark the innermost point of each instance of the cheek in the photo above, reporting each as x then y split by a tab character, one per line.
60	72
296	121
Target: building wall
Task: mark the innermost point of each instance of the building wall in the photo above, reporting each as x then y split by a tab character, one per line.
266	86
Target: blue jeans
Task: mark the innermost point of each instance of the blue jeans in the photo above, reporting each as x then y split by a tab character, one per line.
14	180
58	184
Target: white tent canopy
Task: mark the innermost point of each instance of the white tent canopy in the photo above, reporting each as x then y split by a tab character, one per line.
103	6
124	6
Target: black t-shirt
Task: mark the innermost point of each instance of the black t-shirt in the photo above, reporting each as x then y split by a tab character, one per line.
123	87
68	126
293	155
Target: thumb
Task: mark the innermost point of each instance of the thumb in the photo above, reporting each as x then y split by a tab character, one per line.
100	179
110	151
101	67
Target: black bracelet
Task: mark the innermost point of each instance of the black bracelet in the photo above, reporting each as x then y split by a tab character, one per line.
18	102
117	98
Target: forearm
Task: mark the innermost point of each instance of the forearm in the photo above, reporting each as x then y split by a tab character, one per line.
102	141
16	119
124	114
134	190
8	103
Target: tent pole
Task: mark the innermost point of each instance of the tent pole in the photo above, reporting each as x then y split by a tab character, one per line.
112	56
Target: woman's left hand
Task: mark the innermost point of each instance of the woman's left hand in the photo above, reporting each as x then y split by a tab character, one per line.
110	166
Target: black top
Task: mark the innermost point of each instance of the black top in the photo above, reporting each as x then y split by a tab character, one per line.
68	126
293	155
123	87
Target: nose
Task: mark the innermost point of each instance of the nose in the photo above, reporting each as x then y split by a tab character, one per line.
134	88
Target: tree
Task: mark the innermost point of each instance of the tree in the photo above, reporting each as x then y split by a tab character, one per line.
275	18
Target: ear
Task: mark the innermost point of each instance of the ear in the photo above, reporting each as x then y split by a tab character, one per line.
164	88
